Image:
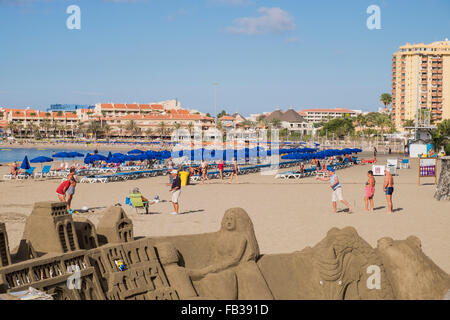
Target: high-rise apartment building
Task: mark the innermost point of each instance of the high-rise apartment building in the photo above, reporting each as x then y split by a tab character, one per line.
421	80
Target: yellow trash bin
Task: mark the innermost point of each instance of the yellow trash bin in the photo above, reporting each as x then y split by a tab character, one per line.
184	176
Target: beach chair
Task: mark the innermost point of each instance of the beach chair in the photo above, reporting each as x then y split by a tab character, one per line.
27	174
8	176
405	164
44	173
137	203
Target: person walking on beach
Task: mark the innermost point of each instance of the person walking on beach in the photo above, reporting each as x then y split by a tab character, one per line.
221	169
375	153
337	190
204	168
370	191
389	189
169	165
71	190
234	171
176	190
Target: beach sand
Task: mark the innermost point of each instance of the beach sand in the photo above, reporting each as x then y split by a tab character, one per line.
288	215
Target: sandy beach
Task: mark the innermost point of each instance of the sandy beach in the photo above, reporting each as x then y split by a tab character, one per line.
288	215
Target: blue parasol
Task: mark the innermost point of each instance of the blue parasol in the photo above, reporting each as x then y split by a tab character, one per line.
25	164
41	159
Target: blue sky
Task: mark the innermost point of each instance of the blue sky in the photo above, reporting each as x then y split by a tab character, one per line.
263	53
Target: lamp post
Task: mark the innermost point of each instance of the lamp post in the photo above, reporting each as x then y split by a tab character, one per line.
215	103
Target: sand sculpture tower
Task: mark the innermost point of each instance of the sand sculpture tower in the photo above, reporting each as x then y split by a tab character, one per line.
5	258
115	227
50	228
443	188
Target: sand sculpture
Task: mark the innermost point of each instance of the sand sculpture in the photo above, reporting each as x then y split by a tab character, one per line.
443	187
75	260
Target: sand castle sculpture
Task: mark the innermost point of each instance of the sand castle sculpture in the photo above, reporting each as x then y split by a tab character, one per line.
443	187
69	258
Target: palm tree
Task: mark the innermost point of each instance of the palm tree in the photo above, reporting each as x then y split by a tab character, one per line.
106	130
13	127
360	121
409	124
386	99
30	129
284	133
276	123
55	127
149	132
94	128
190	126
132	128
46	125
161	129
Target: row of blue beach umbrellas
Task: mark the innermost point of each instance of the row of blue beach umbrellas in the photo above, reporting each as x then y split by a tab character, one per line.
228	154
321	154
133	155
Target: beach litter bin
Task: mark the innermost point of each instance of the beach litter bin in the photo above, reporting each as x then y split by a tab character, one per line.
184	176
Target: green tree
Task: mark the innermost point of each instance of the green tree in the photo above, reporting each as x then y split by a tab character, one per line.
221	114
161	129
94	128
276	123
339	127
386	99
132	127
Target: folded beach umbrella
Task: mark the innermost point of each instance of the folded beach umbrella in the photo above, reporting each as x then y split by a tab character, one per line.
25	164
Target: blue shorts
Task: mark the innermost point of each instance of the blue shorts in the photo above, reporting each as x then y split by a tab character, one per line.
389	191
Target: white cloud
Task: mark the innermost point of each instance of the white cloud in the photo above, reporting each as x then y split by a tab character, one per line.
271	20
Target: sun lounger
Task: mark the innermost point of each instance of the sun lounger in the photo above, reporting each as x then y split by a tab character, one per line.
27	174
44	173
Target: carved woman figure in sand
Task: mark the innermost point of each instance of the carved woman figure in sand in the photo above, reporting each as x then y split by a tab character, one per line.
233	273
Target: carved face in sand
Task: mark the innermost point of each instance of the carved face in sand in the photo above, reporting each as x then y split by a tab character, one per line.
229	222
237	220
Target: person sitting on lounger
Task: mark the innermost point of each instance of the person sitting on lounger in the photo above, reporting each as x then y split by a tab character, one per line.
301	168
14	169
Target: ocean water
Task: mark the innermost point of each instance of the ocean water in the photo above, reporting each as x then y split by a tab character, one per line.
17	154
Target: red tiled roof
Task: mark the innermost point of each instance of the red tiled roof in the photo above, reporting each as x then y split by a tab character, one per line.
226	118
106	106
157	106
132	106
145	106
119	106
